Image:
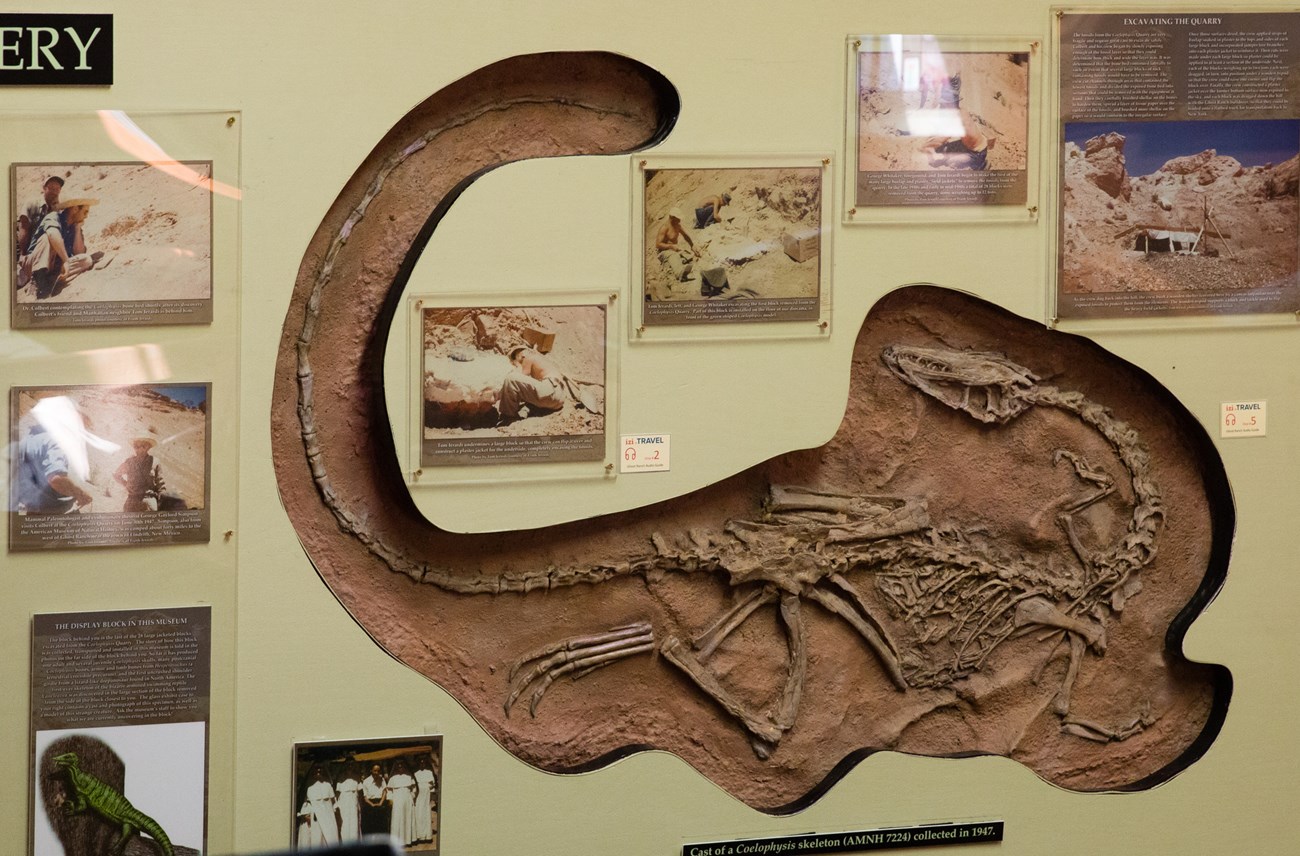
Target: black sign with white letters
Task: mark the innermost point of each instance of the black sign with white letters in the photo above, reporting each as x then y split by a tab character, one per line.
56	50
865	841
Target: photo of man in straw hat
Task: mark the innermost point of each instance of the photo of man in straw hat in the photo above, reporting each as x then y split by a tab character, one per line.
102	244
141	476
97	465
57	245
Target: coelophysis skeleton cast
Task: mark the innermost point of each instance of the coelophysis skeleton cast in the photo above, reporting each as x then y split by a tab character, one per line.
958	596
889	536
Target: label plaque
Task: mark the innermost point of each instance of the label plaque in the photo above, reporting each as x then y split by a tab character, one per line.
862	841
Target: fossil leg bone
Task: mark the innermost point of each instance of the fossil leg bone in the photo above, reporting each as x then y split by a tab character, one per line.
1061	702
1037	610
708	641
765	731
794	629
791	695
844	609
679	654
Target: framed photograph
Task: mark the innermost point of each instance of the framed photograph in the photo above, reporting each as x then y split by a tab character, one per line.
1178	217
516	383
111	244
941	128
347	789
106	466
105	745
725	243
1182	202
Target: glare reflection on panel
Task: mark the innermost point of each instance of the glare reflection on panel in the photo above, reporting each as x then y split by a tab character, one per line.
132	139
128	364
60	417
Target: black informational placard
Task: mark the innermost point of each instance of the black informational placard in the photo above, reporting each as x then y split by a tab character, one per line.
56	50
864	841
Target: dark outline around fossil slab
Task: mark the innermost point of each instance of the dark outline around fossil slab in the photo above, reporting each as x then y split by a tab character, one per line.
959	595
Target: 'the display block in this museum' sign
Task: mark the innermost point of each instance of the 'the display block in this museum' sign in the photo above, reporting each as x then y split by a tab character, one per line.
933	835
56	50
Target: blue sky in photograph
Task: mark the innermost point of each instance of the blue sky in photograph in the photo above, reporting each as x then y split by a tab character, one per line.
1149	145
190	396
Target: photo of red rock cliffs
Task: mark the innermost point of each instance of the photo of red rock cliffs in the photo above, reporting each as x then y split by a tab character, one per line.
1179	206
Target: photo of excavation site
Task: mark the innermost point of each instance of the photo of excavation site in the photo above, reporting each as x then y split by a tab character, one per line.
131	239
1180	216
931	123
512	384
732	236
135	457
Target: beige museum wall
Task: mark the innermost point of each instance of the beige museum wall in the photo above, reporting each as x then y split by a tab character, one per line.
316	85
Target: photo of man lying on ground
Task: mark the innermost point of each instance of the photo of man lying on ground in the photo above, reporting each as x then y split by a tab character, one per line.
496	380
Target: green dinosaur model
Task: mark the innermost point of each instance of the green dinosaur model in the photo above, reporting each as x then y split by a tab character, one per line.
89	792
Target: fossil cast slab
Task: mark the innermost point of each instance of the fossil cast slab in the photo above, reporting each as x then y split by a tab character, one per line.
998	552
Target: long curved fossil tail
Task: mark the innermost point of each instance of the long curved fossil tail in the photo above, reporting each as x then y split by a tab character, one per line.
590	87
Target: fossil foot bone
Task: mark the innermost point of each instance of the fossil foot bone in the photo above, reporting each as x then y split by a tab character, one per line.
580	655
